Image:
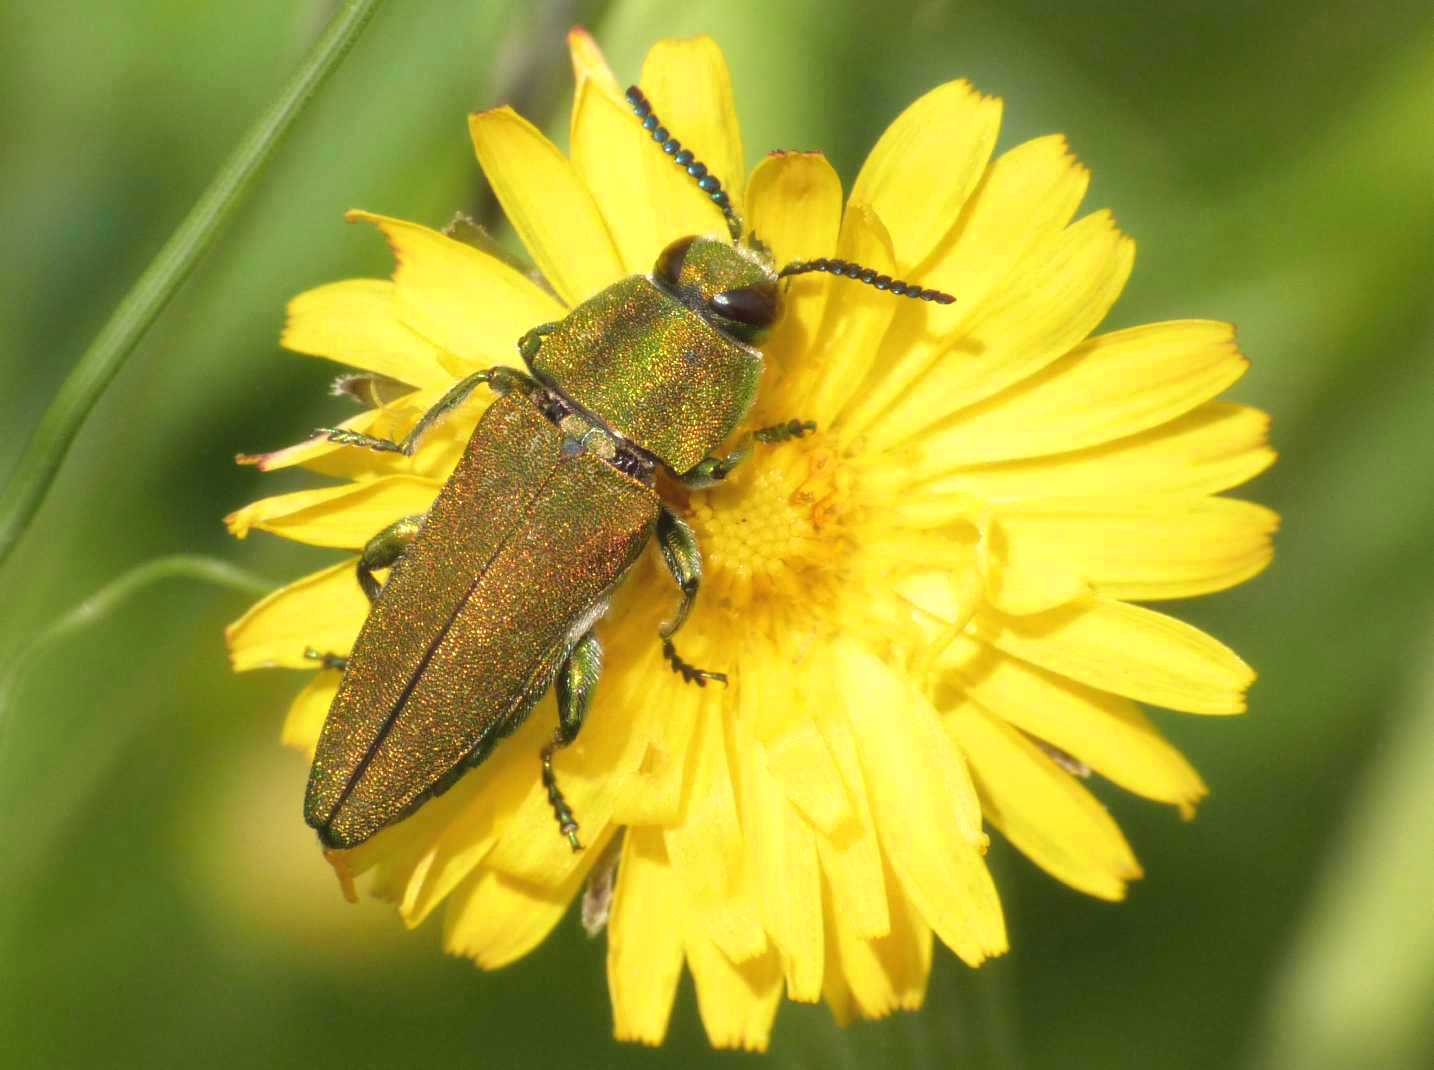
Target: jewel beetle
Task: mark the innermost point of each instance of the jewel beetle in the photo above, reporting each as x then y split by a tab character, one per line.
493	594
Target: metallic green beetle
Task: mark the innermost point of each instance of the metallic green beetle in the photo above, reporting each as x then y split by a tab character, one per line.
494	593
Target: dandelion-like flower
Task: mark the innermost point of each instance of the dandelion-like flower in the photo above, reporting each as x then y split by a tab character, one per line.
926	608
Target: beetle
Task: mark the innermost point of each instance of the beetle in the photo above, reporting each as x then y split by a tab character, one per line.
493	594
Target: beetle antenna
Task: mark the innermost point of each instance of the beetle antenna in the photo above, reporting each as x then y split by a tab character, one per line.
847	269
683	158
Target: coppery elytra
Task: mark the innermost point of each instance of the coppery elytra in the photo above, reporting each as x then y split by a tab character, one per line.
493	594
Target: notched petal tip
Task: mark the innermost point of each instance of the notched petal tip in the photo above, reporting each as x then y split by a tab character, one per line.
359	215
482	114
1103	221
238	524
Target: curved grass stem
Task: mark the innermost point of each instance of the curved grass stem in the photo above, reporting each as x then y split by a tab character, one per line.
118	591
93	372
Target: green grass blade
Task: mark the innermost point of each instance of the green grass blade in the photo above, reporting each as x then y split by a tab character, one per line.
146	299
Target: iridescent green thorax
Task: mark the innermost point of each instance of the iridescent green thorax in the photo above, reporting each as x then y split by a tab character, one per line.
663	377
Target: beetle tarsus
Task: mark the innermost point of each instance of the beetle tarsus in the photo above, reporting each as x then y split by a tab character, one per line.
784	432
502	379
567	824
714	469
326	660
344	437
690	673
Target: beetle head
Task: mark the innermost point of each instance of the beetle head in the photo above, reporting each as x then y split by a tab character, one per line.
733	287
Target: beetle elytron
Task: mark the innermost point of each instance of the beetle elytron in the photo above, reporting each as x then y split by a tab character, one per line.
494	593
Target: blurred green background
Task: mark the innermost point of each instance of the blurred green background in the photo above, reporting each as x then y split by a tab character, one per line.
162	903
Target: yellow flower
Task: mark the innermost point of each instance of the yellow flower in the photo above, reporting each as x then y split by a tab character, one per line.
926	608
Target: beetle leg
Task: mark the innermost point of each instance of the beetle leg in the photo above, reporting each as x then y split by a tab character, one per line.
529	344
679	549
576	682
712	470
326	661
383	550
502	379
784	432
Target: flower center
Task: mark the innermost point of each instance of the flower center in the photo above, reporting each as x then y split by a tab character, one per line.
774	534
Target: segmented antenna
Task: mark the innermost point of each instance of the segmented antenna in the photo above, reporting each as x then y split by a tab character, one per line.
847	269
683	158
712	186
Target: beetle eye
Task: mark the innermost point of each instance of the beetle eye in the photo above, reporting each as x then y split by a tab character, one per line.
669	262
754	306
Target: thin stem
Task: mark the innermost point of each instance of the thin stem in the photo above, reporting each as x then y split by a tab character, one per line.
146	299
113	594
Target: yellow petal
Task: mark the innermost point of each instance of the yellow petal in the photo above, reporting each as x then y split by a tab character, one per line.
776	711
612	153
324	610
782	853
1041	809
590	770
737	1002
854	321
925	807
402	856
1131	651
464	301
690	88
316	447
589	64
346	516
887	973
1107	732
436	457
308	711
926	164
835	990
1109	387
1027	197
801	764
794	206
438	453
496	919
851	855
1021	582
548	204
450	857
1216	447
1143	549
607	144
1054	299
482	808
651	794
644	939
357	322
705	847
